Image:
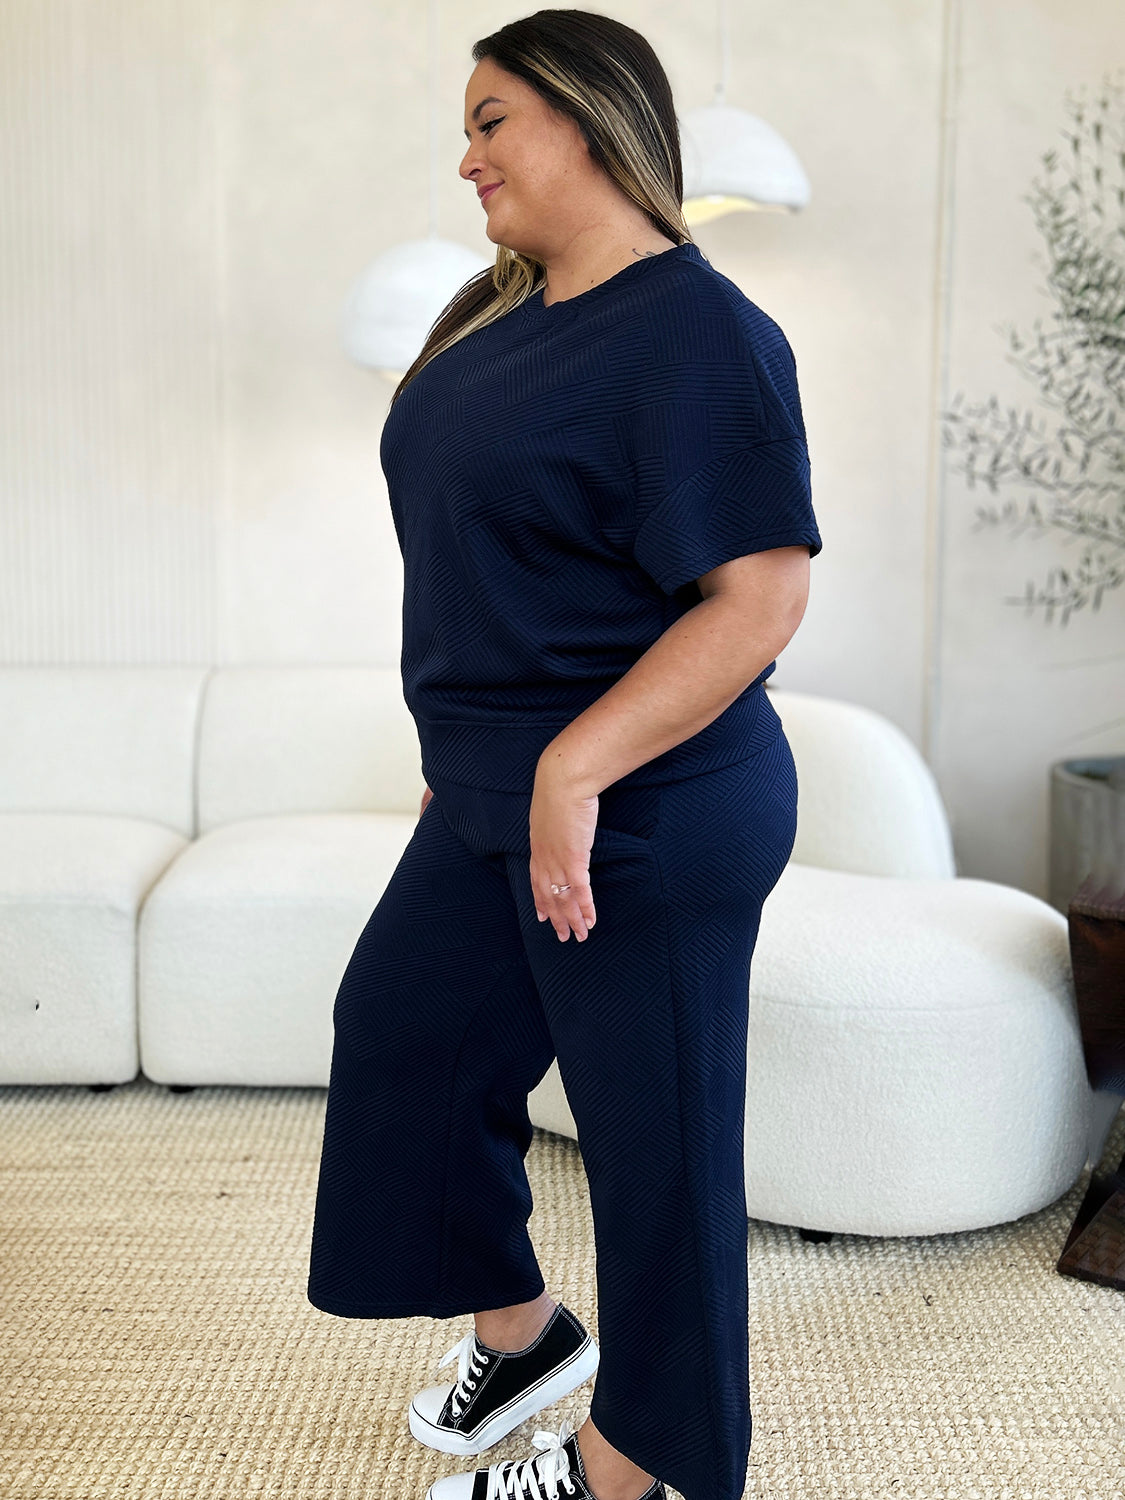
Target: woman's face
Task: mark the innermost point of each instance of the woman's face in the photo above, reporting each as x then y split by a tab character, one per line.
549	186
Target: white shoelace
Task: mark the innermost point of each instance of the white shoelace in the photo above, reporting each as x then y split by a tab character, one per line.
536	1477
470	1362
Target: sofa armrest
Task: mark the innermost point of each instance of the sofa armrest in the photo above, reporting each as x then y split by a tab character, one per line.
867	801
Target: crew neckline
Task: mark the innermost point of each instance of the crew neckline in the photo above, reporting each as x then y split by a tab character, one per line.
635	269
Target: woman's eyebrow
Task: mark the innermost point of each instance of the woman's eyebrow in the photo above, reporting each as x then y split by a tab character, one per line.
492	99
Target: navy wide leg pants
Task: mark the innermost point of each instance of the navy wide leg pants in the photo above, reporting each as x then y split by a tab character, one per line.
452	1008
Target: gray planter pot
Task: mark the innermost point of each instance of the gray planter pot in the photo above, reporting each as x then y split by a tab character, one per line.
1087	826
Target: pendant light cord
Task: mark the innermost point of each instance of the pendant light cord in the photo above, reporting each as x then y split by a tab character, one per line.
724	53
433	51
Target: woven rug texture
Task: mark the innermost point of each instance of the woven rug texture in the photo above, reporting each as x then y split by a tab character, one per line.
157	1340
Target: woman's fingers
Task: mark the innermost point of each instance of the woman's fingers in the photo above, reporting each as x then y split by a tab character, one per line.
561	827
568	911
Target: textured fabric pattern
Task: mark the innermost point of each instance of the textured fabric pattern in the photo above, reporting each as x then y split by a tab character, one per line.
558	482
451	1010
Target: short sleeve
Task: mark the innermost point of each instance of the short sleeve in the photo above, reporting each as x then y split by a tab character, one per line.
749	501
723	462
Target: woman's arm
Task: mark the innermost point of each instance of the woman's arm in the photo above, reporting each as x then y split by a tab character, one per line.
750	610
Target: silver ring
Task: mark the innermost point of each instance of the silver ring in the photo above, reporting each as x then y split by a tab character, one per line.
557	890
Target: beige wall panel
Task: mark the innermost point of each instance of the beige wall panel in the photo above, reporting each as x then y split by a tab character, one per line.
110	437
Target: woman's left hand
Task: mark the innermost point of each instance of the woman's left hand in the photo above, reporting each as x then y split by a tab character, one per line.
562	825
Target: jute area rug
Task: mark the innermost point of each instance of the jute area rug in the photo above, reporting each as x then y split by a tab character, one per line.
157	1340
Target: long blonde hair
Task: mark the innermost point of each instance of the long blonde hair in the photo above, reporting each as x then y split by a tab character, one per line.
608	80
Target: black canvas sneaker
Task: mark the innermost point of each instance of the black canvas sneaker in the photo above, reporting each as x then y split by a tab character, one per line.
556	1472
497	1389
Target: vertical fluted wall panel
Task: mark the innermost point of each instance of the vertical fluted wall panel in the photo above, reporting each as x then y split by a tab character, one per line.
110	370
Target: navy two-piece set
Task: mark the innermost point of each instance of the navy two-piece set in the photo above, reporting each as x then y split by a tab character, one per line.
558	481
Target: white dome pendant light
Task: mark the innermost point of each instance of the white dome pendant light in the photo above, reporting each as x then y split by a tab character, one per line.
733	160
395	301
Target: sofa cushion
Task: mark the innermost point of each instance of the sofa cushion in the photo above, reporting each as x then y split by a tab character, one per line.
243	944
306	740
70	889
111	740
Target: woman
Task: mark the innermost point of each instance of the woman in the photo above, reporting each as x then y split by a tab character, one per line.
599	479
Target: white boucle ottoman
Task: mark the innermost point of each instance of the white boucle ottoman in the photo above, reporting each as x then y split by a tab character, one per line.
914	1061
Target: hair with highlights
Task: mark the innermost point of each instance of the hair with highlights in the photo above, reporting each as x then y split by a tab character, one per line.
608	80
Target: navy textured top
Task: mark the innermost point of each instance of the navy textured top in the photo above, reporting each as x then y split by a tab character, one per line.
558	481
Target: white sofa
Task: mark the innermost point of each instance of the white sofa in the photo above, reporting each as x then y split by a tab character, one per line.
188	855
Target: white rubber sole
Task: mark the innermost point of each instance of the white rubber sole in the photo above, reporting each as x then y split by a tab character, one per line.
567	1377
